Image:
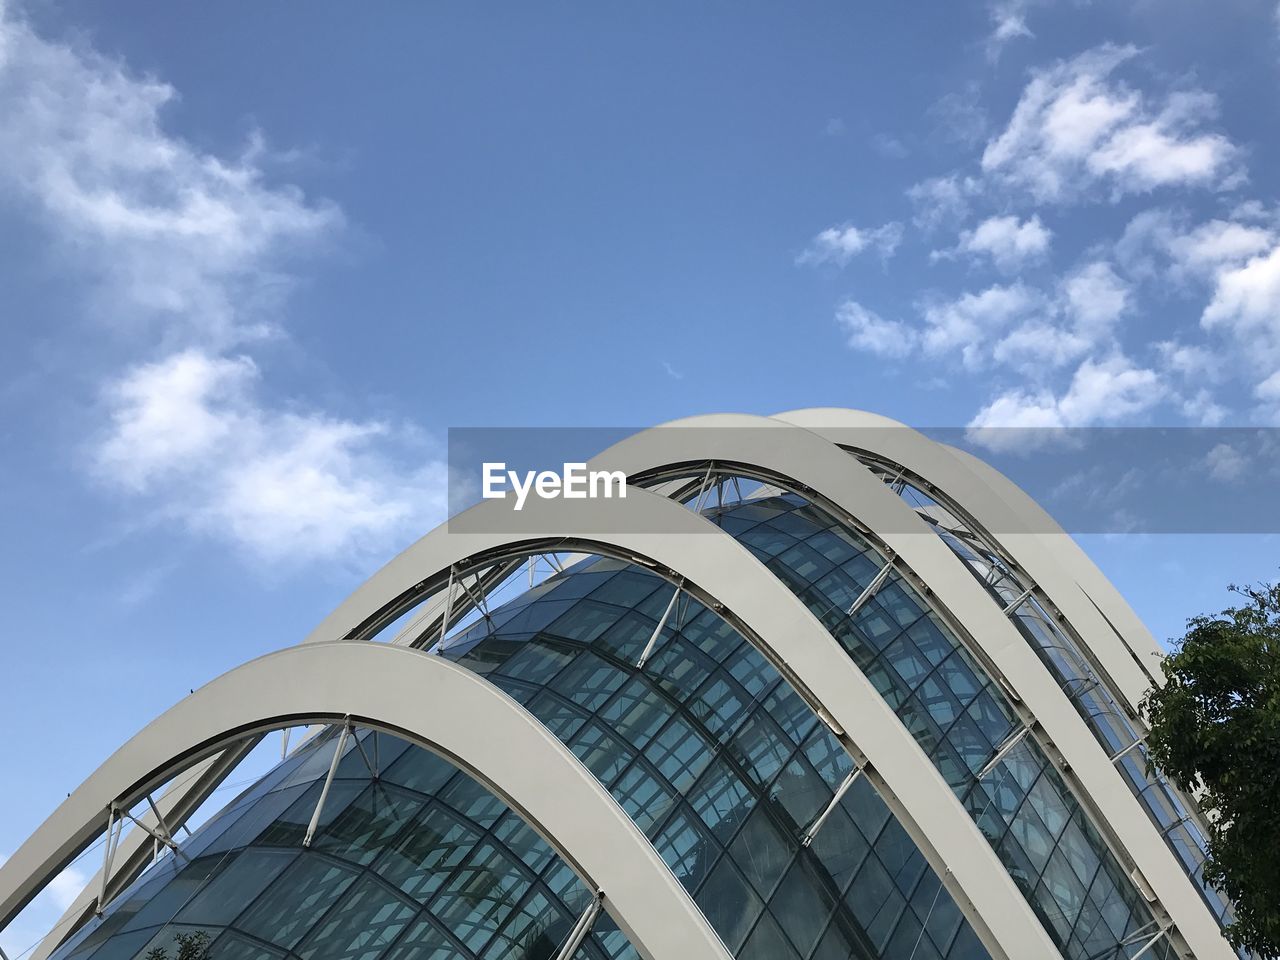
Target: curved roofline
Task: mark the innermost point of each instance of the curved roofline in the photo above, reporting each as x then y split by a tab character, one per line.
1105	622
380	686
787	634
813	461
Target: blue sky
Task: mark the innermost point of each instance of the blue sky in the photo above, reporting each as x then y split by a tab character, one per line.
257	259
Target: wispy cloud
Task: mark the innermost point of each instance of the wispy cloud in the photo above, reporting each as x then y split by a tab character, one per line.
1008	22
190	435
968	324
1008	242
841	243
1238	263
195	252
942	201
866	330
1101	392
1078	127
177	241
889	147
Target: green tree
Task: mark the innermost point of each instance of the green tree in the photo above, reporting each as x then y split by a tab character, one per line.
191	946
1215	728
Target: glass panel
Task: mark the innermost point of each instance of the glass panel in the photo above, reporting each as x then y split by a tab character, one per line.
491	887
951	708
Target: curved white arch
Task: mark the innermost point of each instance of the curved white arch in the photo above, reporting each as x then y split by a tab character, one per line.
136	850
1092	581
382	686
1112	632
648	526
810	460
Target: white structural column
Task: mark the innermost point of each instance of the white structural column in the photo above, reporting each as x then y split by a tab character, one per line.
651	529
1024	531
811	461
422	698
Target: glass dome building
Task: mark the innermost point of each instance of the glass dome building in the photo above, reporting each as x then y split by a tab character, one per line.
817	687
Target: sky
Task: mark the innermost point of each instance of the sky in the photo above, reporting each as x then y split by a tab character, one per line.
258	259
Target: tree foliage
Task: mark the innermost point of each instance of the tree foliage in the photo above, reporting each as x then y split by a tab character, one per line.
191	946
1215	729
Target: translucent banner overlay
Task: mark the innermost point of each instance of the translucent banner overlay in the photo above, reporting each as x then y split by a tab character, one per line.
1094	480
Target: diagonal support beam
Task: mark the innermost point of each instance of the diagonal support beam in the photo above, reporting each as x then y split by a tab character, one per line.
657	631
870	589
835	801
328	782
578	934
1017	601
1003	751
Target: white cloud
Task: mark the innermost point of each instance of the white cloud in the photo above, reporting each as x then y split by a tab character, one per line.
840	244
1202	409
1009	242
1268	396
1008	22
170	233
1021	409
1225	463
1217	244
1239	261
889	147
1076	127
192	433
939	201
1269	389
194	251
868	331
1246	304
171	414
1109	391
1101	392
968	323
1036	345
1007	325
1190	361
1186	252
1096	298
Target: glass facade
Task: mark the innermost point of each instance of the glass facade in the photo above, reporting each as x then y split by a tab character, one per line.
961	719
710	751
1080	680
752	802
419	863
722	764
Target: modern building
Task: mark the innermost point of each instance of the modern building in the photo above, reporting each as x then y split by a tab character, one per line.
816	687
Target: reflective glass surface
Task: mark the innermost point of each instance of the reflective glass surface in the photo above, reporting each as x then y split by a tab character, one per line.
421	863
959	716
1083	685
722	765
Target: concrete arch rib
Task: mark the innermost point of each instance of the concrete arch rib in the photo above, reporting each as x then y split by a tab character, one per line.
1095	585
651	527
381	686
1112	632
814	462
136	850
